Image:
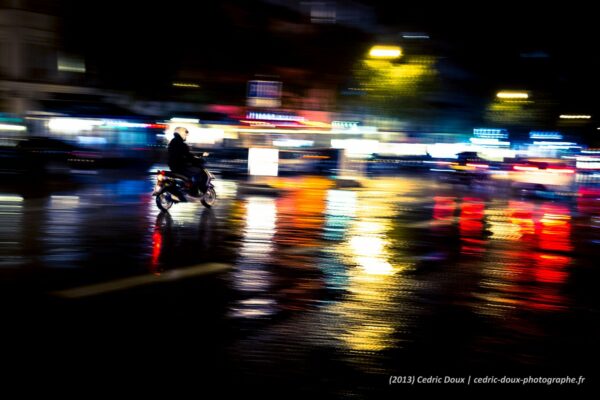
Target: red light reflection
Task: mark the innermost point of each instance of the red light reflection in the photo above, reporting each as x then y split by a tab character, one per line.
471	225
157	240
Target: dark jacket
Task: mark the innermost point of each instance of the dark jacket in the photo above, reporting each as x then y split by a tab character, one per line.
179	154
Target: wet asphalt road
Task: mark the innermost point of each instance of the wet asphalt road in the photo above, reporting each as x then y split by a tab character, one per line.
314	290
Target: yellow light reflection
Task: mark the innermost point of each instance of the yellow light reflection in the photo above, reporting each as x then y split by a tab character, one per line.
374	272
251	274
501	226
375	266
260	226
365	246
369	337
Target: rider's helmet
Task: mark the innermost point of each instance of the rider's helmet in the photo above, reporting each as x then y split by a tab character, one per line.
181	131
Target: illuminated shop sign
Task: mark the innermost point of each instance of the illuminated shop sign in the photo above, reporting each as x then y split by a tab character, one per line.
545	135
264	93
344	124
487	133
263	116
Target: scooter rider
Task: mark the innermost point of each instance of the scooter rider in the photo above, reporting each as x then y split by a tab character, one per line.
182	161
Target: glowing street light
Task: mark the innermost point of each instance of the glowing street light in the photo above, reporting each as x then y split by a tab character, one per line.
570	116
512	95
185	85
389	52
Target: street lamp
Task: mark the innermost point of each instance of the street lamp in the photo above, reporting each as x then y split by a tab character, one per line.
385	52
512	95
576	116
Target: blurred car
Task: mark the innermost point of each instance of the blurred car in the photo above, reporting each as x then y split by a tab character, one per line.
382	164
545	175
43	155
228	161
469	167
307	161
37	155
44	152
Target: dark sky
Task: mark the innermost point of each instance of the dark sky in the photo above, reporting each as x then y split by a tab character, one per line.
563	29
136	45
127	41
506	24
502	41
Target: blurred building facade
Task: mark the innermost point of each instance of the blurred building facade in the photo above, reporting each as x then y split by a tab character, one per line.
33	66
316	50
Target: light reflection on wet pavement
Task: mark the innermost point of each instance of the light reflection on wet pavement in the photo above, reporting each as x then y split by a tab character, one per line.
335	287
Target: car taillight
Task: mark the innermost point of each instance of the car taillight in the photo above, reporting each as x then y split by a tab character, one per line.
481	166
524	168
562	170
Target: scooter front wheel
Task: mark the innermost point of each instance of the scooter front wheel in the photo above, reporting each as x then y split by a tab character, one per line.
164	201
209	198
